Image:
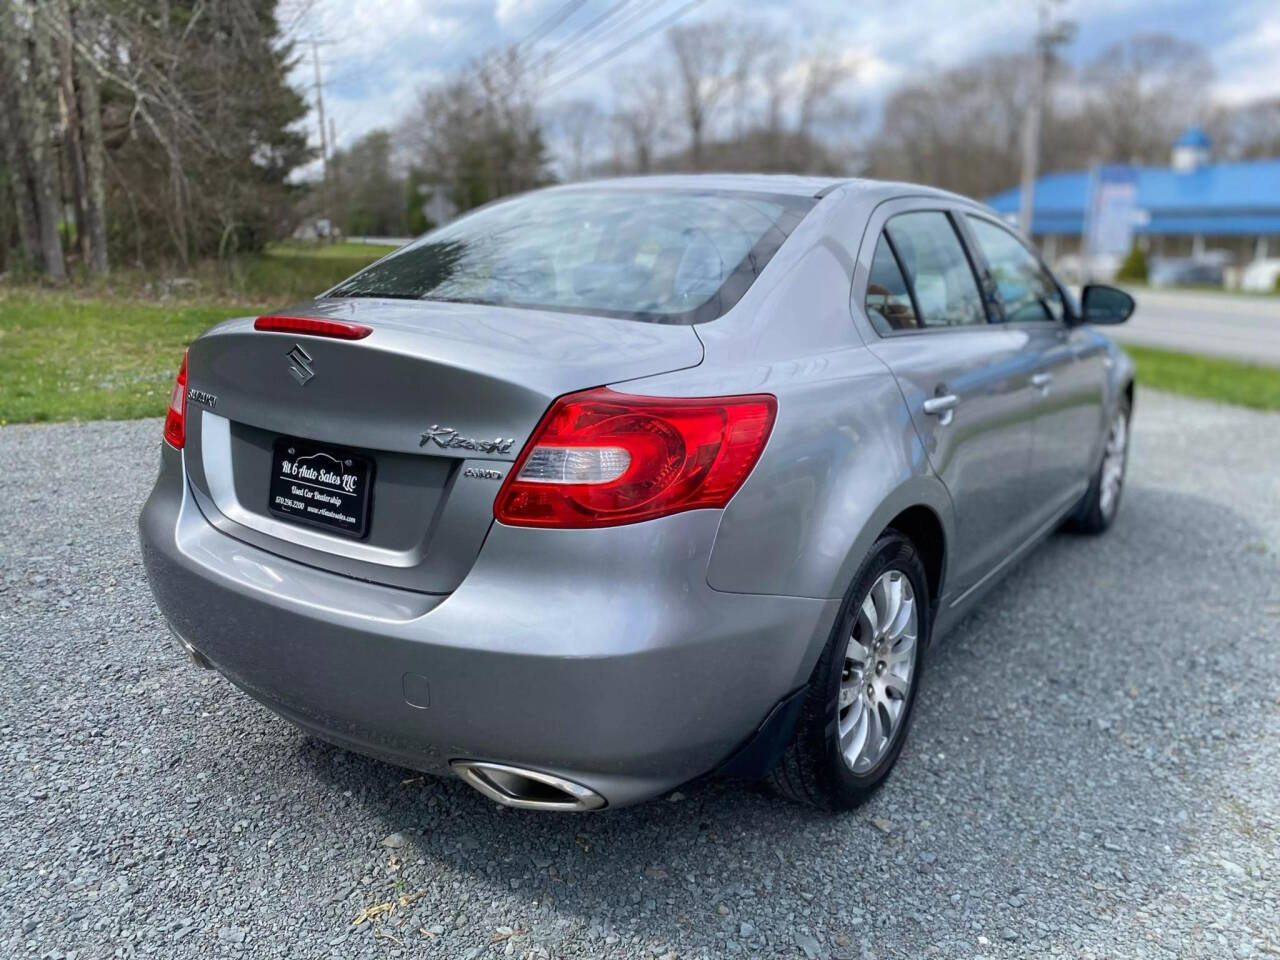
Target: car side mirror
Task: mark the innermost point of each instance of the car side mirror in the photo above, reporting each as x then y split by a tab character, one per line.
1103	304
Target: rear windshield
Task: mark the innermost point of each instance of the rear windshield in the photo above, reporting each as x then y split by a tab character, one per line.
661	256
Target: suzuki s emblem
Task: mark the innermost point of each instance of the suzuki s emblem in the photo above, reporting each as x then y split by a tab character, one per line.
300	365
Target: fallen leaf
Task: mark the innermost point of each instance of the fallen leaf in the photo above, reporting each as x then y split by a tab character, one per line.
373	912
506	933
409	898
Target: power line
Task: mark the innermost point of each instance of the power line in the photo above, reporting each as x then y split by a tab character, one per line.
630	20
561	14
575	39
622	47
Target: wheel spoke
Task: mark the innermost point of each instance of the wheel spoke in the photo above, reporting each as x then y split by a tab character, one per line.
887	594
895	687
904	618
856	652
891	715
853	739
903	650
869	619
871	747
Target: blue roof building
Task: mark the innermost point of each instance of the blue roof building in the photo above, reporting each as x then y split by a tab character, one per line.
1179	208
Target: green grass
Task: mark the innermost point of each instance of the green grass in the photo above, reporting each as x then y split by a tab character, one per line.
64	359
108	349
328	251
1227	381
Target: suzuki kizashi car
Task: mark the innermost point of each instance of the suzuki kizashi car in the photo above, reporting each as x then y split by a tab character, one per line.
607	487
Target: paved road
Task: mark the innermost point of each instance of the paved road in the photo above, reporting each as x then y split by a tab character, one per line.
1094	770
1242	327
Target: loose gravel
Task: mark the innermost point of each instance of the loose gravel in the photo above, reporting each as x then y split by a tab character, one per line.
1094	769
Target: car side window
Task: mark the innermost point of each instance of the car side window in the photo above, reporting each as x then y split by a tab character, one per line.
1027	291
937	269
888	302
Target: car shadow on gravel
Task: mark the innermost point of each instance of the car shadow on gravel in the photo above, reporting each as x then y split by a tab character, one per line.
1071	753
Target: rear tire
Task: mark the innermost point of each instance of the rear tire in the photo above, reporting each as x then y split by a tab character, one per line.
1097	510
862	692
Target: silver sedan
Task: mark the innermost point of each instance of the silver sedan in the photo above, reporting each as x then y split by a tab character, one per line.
611	486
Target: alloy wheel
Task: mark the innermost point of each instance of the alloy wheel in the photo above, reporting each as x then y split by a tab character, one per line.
1113	460
879	667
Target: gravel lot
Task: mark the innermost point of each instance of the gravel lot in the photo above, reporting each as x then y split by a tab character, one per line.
1094	770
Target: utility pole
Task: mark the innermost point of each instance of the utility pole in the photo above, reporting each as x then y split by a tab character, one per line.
1050	35
337	196
324	142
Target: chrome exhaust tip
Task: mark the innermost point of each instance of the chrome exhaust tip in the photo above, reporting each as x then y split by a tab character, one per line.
526	789
196	657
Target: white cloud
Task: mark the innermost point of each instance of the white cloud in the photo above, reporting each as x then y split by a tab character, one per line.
378	54
1249	66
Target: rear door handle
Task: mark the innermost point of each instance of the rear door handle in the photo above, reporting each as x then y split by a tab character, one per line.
942	407
1041	381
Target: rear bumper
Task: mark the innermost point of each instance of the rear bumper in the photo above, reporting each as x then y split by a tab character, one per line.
601	656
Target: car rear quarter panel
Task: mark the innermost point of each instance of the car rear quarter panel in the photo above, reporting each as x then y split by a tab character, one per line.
843	458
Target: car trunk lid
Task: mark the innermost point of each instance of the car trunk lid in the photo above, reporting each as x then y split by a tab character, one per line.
436	402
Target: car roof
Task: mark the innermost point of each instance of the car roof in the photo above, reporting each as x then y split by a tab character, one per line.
775	183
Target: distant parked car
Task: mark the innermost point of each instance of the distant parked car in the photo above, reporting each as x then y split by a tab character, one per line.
1186	271
1261	276
606	487
1077	270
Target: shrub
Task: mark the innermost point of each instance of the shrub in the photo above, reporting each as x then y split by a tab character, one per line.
1134	268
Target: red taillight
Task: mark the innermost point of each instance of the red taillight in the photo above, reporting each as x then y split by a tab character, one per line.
175	421
601	458
313	327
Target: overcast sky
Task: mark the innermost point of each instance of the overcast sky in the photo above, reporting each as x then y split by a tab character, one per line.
376	54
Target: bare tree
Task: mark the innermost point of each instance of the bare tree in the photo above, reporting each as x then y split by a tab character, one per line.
81	123
18	159
478	134
1141	94
746	99
30	75
1250	131
89	103
577	124
775	83
643	114
708	60
957	129
176	113
823	76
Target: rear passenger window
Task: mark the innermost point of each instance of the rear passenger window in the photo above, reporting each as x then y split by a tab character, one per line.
888	301
1027	292
937	270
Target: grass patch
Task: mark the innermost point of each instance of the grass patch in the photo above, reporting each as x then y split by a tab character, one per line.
1212	378
68	359
329	251
108	348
